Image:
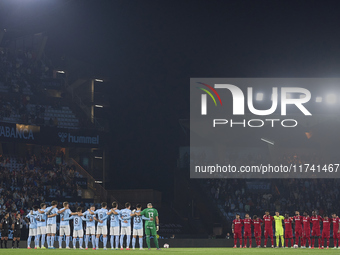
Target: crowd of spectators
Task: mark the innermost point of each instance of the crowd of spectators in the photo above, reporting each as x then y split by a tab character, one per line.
35	179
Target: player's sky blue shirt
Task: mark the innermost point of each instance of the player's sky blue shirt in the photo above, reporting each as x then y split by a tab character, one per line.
42	216
101	216
125	213
89	216
77	221
138	221
114	219
52	220
64	215
32	218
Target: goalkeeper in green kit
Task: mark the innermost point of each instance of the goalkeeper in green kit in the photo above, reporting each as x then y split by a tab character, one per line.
152	225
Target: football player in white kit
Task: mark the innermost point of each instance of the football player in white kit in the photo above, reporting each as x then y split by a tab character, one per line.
78	227
114	224
90	227
41	225
33	227
138	227
51	230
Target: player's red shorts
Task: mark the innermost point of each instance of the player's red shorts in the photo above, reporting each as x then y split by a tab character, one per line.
298	232
237	235
306	232
247	233
257	233
268	232
325	234
289	234
316	232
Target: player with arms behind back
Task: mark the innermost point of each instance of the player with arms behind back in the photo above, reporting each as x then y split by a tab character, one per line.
306	229
336	235
288	230
17	226
268	228
237	230
316	228
247	222
257	223
326	229
151	226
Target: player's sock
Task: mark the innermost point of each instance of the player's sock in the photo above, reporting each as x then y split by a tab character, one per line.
1	241
117	241
157	246
319	241
18	242
250	241
93	238
277	241
133	242
272	239
235	242
60	241
80	242
313	241
121	240
265	241
13	243
86	241
140	242
36	241
67	241
105	241
327	242
28	241
74	242
286	242
5	243
128	239
97	242
48	241
111	241
147	239
282	241
43	238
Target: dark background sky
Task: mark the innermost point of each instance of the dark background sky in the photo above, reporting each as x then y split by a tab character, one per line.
150	49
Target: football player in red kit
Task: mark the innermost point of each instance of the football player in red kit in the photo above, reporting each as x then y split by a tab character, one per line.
247	222
316	228
298	227
257	223
237	230
306	230
336	235
268	228
326	229
288	230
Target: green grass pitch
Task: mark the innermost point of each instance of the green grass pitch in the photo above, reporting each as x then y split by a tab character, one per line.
176	251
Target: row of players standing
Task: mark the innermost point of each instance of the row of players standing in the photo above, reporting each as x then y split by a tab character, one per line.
43	221
303	232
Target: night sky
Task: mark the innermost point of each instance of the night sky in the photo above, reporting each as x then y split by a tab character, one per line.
150	49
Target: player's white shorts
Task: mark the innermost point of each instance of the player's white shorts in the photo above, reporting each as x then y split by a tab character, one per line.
64	230
125	231
51	229
101	230
137	232
78	233
90	230
32	232
41	230
114	231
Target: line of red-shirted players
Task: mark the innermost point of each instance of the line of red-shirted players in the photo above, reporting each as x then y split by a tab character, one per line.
302	229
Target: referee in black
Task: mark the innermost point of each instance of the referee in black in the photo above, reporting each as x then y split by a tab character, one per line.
5	224
17	226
